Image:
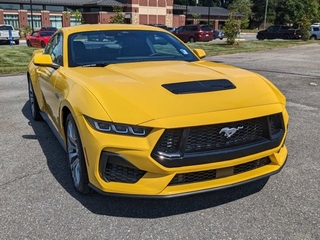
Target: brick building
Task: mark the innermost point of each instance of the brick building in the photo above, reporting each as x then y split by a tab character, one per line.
43	13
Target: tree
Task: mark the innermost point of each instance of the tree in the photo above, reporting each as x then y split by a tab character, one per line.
231	28
258	11
119	17
243	7
76	14
196	17
305	27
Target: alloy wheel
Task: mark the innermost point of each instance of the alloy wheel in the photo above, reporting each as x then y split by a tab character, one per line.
73	153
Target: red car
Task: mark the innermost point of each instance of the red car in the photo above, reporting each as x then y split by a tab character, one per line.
194	33
39	38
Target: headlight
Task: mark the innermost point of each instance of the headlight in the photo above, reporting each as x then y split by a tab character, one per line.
118	128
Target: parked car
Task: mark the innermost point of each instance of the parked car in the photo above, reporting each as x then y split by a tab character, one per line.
279	31
194	33
170	29
5	35
315	32
218	34
39	38
144	115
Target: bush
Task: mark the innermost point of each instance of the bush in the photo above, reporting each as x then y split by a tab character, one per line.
231	29
305	28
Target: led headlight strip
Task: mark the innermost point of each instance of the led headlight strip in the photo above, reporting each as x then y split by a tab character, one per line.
118	128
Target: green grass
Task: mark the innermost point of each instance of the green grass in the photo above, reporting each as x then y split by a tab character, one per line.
219	48
15	59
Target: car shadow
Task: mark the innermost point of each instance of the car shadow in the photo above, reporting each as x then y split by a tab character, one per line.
125	206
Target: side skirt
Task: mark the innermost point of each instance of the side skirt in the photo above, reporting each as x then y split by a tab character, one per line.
53	129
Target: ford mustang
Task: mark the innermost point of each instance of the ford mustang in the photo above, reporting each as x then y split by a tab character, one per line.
139	113
39	38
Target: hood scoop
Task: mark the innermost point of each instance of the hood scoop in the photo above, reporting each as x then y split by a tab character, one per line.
199	86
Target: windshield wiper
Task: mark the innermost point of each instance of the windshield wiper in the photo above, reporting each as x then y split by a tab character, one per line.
96	64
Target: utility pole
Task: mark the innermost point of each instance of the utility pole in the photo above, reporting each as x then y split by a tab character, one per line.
265	15
31	15
186	22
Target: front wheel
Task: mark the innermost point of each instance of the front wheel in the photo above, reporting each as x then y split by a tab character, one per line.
313	38
34	107
76	157
17	42
29	43
43	45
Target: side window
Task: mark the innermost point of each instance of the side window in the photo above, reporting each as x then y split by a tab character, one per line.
194	28
54	48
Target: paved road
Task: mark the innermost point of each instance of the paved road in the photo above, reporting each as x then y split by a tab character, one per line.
37	200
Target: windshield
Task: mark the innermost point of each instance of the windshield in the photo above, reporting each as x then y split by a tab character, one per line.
97	48
46	34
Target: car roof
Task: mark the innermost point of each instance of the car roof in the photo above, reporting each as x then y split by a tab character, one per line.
97	27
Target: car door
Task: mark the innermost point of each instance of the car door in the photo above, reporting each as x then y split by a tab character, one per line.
50	78
32	38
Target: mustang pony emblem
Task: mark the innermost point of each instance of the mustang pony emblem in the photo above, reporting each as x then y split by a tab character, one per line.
228	132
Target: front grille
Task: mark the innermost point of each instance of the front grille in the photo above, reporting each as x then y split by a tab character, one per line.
194	177
218	142
208	138
118	173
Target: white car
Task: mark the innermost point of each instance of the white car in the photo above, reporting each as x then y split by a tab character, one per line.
5	34
315	32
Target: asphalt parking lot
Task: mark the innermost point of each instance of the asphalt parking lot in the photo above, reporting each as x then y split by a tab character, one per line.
37	199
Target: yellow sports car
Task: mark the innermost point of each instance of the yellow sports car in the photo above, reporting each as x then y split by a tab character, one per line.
139	113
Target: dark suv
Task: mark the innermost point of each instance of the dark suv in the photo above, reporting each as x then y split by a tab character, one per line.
194	33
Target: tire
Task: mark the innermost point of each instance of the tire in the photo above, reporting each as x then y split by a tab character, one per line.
34	107
77	163
29	43
313	37
286	37
192	39
221	38
260	37
17	42
43	45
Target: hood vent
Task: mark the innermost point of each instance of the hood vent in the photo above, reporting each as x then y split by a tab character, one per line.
199	86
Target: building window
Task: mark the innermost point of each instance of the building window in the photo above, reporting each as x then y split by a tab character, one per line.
36	21
74	21
54	8
56	21
11	19
9	6
34	7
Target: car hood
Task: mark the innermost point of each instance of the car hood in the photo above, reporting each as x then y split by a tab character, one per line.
134	92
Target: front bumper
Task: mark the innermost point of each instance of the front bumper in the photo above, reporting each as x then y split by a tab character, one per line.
124	165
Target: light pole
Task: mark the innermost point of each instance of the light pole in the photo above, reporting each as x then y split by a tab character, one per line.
265	15
31	15
186	20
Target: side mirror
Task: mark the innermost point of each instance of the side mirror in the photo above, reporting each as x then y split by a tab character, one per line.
199	52
43	60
